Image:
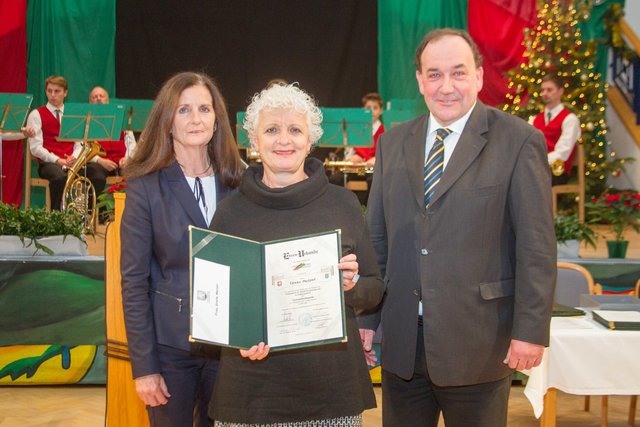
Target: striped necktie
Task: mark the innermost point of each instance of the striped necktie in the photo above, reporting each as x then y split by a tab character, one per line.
434	165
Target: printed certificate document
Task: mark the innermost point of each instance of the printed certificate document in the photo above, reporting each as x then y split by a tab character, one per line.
286	293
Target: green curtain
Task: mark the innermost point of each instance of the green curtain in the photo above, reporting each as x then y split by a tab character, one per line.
72	38
401	26
595	28
75	39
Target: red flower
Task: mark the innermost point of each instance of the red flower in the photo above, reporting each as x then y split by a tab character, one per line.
612	198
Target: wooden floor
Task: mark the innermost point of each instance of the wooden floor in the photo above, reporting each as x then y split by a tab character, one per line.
83	406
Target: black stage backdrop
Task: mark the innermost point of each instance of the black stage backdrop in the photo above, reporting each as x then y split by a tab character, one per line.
328	46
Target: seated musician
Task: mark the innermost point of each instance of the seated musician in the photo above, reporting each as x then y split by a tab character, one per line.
118	152
54	157
561	128
371	101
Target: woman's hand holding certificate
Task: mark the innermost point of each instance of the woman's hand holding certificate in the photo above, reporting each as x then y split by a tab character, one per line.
349	266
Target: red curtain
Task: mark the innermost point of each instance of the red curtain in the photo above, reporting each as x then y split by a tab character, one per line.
497	28
13	79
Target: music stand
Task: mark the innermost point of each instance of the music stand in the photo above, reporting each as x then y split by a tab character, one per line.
97	122
13	113
84	122
346	127
413	104
136	113
393	118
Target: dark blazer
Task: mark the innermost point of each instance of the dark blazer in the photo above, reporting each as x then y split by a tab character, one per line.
155	263
482	257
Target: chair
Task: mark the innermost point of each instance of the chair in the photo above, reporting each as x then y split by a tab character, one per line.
572	188
34	182
574	280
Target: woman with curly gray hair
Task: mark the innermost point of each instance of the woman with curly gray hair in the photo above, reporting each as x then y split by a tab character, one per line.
289	195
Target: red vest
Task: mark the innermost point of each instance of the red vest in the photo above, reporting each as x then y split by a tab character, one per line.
367	153
115	149
552	132
50	131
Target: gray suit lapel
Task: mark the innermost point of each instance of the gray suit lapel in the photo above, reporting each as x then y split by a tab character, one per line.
183	194
414	158
469	146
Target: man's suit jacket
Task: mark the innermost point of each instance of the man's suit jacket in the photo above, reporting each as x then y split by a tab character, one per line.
482	257
155	263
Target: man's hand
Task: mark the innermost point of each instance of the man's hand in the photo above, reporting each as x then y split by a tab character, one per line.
28	131
69	161
109	165
152	390
366	337
523	355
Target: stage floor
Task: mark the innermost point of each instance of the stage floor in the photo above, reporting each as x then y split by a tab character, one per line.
83	406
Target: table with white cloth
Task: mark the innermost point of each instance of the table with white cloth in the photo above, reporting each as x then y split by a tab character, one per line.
583	358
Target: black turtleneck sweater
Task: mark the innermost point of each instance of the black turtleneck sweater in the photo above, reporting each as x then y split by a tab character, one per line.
327	381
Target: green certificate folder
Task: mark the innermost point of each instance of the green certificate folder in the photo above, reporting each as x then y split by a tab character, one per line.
620	320
561	310
286	293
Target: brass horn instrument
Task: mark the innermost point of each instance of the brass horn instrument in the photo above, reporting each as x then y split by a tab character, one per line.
79	193
557	167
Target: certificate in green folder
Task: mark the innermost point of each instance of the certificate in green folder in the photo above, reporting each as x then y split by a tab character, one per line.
286	293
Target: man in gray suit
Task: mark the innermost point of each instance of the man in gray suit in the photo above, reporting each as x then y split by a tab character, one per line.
460	216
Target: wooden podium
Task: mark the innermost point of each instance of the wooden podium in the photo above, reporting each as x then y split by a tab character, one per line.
124	407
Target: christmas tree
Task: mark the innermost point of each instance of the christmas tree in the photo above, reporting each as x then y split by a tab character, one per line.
555	46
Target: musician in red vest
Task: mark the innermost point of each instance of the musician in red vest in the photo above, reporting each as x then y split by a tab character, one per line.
118	151
54	157
371	101
561	128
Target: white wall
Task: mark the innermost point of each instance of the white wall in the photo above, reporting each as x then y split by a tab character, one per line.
624	146
621	141
632	14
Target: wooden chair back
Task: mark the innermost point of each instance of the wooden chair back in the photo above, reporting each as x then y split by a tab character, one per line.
34	182
573	188
574	280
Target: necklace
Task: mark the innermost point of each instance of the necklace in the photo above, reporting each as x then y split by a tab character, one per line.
197	174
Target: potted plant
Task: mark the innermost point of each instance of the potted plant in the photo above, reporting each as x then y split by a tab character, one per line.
105	203
621	210
569	233
26	232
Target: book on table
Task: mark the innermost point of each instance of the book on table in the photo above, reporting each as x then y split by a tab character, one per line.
618	320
